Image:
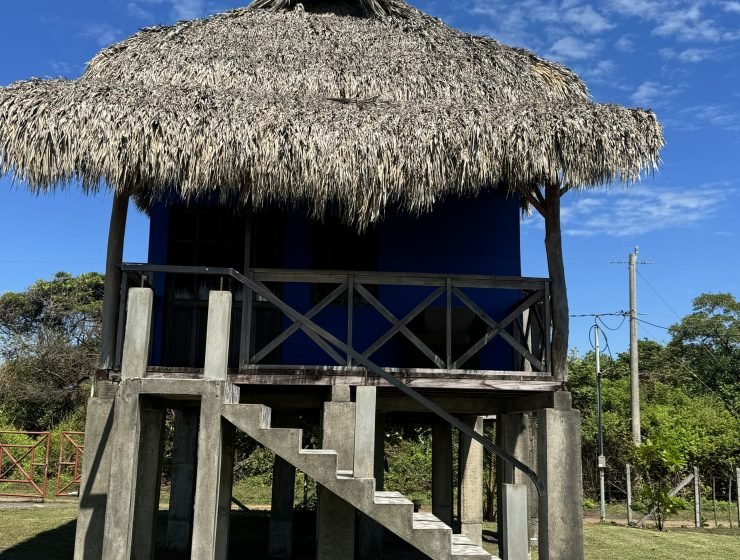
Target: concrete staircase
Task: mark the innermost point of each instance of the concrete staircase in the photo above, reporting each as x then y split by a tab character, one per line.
391	509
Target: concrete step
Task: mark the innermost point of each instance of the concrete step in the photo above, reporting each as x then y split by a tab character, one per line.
464	549
391	509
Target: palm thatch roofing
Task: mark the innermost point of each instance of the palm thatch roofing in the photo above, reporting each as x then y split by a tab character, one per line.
357	104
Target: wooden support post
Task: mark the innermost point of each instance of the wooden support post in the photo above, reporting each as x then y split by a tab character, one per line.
112	290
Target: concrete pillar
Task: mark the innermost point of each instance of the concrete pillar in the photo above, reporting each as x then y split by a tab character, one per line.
281	512
90	530
364	462
515	536
471	484
182	493
215	472
559	467
149	481
213	482
371	533
335	524
119	515
442	471
138	333
514	434
217	335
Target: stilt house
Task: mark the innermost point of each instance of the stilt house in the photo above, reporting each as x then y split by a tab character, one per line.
334	190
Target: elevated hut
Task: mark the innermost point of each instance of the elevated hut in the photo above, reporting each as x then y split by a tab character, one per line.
334	190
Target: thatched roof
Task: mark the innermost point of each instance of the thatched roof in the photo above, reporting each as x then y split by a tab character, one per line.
357	104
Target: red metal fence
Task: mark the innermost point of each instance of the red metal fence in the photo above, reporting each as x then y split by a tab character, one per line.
71	450
24	464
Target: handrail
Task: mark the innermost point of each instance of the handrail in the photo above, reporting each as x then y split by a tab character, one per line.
356	357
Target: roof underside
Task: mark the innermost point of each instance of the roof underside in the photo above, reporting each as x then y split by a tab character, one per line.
327	105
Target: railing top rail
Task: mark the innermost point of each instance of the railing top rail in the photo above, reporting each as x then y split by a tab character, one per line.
360	277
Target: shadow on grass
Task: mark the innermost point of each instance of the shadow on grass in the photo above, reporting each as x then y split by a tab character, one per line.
248	538
57	543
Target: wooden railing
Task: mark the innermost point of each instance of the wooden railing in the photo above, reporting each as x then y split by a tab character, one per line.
523	322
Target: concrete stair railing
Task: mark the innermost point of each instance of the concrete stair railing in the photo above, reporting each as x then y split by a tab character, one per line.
392	510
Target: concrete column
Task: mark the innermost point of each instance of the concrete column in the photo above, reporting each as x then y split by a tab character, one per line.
125	437
148	482
119	515
90	530
515	536
371	533
281	512
559	467
514	434
182	492
335	525
213	482
217	335
364	465
138	333
471	484
442	472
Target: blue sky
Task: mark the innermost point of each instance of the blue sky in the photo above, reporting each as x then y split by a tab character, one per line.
681	58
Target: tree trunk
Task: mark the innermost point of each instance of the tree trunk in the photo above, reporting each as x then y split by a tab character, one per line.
112	294
559	294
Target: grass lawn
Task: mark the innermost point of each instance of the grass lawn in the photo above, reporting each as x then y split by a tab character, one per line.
40	533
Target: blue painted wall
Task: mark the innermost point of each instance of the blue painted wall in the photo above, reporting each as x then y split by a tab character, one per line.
462	236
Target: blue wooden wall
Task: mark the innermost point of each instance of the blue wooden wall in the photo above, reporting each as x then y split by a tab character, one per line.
462	236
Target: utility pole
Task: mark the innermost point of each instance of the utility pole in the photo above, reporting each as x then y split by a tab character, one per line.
634	365
602	458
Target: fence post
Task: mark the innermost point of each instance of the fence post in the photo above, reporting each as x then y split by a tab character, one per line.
697	499
628	468
737	493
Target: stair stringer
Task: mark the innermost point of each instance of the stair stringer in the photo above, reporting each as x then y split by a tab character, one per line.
393	511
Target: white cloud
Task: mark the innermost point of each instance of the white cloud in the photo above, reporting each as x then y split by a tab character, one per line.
651	93
177	9
103	34
688	55
640	210
572	48
586	19
724	116
731	7
624	44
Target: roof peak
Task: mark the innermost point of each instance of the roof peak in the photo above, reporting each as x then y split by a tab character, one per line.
373	8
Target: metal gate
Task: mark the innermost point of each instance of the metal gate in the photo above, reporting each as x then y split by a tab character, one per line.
24	464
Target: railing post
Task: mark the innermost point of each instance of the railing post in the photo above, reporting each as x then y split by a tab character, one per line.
138	333
350	314
448	328
121	320
217	335
548	325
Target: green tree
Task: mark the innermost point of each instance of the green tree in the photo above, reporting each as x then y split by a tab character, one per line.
707	344
49	342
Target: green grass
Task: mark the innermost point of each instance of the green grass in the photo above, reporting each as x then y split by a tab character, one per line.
46	532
